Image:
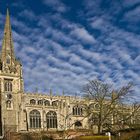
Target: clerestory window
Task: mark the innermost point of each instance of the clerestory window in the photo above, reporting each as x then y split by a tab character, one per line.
46	103
32	101
55	103
40	102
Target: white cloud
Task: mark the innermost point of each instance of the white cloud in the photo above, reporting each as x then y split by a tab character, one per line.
133	15
137	60
83	35
128	3
57	5
97	22
57	56
28	14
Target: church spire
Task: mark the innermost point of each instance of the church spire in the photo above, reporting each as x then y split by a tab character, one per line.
7	53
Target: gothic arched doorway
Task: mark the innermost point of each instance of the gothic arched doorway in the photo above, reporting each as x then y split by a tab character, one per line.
78	124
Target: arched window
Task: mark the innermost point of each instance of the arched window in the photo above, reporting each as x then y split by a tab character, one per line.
47	103
32	102
0	65
51	119
35	119
97	106
55	103
77	110
8	104
91	106
8	86
40	102
8	60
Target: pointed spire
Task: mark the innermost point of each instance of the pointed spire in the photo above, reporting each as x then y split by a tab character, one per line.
7	45
50	92
63	93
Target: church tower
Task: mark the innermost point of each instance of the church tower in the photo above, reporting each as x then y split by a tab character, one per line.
11	81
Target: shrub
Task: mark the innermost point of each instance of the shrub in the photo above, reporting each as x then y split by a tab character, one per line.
26	137
93	138
137	137
46	138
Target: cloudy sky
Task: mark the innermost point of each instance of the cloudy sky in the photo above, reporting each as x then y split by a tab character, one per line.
64	43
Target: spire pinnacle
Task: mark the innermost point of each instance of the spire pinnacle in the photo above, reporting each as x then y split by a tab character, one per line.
7	12
7	45
50	92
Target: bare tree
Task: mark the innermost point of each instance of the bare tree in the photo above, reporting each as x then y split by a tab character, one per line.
108	102
128	115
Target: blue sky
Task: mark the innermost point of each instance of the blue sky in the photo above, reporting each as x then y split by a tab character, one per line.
64	43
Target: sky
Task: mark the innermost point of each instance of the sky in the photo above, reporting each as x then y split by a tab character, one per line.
64	43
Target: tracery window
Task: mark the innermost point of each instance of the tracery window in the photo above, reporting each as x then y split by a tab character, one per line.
55	103
32	101
46	103
51	119
77	110
40	102
35	119
8	85
97	106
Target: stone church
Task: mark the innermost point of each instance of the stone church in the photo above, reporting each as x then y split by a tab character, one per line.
20	111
